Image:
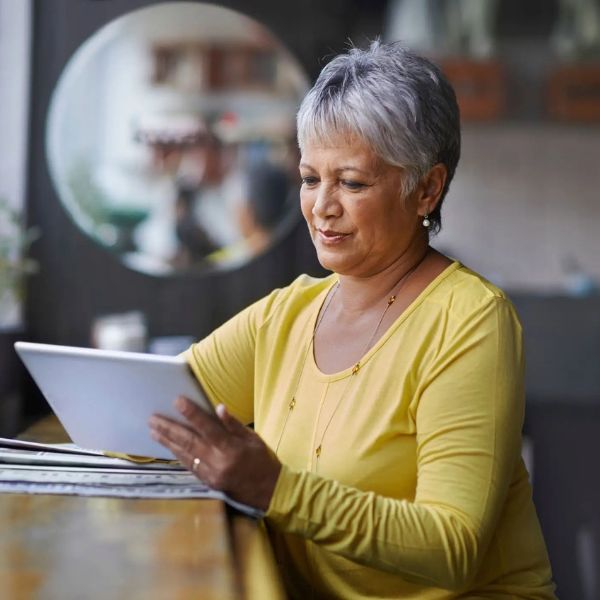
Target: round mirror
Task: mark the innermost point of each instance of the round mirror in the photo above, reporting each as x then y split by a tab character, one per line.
171	138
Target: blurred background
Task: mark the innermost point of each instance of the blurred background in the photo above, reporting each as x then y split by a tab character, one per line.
149	190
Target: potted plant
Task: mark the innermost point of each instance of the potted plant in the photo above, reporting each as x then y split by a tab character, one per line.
15	266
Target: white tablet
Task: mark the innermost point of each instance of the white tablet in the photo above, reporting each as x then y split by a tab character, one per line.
105	398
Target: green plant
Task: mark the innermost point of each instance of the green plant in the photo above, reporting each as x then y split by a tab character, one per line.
15	242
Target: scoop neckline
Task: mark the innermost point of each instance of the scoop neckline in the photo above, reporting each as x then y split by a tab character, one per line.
329	377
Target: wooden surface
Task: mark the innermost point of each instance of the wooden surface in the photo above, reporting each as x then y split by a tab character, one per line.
72	547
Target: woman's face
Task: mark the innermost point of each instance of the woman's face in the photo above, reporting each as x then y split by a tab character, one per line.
353	205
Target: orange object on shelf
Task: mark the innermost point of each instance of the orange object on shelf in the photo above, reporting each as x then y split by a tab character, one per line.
574	92
480	87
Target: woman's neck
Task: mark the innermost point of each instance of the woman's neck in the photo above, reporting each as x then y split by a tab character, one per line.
357	294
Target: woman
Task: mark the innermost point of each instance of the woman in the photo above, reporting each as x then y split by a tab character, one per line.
387	398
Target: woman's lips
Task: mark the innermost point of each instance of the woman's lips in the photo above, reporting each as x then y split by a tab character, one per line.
330	237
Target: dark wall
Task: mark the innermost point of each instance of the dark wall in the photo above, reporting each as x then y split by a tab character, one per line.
562	346
566	490
79	280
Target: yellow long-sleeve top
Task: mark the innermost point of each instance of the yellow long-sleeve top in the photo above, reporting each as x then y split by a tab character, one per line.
419	490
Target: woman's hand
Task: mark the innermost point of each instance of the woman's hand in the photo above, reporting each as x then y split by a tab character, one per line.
232	458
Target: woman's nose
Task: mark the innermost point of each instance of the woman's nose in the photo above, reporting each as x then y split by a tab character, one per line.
326	204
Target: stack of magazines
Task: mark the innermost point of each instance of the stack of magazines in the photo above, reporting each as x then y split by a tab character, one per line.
33	468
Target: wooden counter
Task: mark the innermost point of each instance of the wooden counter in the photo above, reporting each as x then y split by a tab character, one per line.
73	547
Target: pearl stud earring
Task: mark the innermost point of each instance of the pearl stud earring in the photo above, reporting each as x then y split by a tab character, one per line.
426	221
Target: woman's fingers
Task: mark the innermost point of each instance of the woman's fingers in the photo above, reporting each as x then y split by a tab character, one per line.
192	455
203	422
179	435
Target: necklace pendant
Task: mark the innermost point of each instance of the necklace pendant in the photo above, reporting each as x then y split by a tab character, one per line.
292	404
318	451
356	368
391	300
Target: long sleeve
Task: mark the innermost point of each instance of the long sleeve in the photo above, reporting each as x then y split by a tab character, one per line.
467	411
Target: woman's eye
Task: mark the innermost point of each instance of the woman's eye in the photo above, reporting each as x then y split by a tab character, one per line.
309	181
353	185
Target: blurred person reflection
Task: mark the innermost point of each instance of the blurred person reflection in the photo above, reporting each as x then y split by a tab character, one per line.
170	137
266	200
210	186
194	241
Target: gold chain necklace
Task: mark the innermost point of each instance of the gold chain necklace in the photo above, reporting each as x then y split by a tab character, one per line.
356	368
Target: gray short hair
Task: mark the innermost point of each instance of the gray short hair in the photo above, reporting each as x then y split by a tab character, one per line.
396	101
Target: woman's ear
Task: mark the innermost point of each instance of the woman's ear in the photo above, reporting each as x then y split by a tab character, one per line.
431	188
